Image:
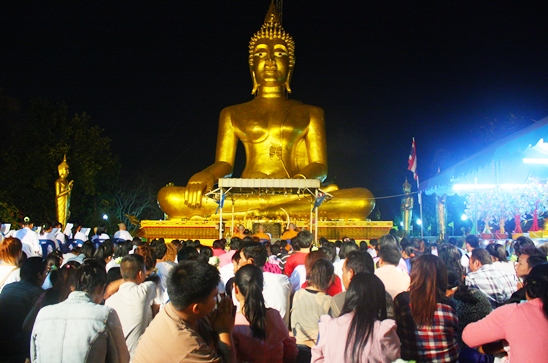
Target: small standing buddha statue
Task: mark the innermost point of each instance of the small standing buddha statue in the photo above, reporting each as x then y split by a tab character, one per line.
63	190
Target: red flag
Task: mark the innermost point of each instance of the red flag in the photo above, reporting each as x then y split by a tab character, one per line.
412	162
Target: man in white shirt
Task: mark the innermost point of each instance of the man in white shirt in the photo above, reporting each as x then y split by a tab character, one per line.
276	286
395	279
59	236
132	301
472	242
29	239
123	233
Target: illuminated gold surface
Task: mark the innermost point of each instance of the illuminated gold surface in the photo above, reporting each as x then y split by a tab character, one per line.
407	207
63	189
282	138
207	231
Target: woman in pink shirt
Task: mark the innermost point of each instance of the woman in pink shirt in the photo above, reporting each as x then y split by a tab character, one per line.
260	334
361	333
524	326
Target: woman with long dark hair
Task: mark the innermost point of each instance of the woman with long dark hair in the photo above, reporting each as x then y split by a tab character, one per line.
523	325
362	327
427	320
311	303
260	334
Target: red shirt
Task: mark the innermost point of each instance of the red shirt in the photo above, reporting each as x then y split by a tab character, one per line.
333	289
293	261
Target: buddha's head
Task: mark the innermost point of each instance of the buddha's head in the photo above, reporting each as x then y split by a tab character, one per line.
271	54
63	168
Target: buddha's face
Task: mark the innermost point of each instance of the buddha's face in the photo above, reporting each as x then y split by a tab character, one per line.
270	62
63	172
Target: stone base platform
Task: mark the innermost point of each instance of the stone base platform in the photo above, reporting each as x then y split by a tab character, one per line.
208	231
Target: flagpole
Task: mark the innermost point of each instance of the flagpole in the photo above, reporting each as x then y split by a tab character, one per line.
420	207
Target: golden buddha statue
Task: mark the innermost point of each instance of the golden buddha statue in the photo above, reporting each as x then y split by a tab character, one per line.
282	138
63	189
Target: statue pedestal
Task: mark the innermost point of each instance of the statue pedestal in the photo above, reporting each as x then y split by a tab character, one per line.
208	231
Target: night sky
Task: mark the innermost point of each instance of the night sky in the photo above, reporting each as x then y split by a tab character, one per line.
155	75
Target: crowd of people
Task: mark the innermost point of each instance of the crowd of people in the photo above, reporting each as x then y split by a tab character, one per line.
254	299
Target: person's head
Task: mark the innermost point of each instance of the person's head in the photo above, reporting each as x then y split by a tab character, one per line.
253	253
295	244
472	242
122	226
133	268
497	252
544	247
275	249
146	251
88	249
217	245
11	250
105	251
356	262
389	254
92	278
480	257
235	243
304	239
192	287
388	238
311	258
530	257
187	253
46	227
346	247
366	298
330	252
452	241
54	260
407	250
241	229
177	243
427	288
260	228
522	242
101	229
123	249
536	285
62	283
451	256
34	271
171	253
248	286
160	249
271	54
321	275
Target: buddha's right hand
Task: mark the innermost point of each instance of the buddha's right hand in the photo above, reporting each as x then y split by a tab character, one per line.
197	186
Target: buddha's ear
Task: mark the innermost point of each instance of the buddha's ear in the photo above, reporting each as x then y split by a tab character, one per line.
288	80
255	83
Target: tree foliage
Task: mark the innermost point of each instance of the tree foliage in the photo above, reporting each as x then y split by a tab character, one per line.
34	145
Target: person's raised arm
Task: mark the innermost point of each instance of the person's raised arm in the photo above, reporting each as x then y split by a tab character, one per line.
203	181
222	321
316	146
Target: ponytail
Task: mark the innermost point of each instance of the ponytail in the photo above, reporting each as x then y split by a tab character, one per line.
249	280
